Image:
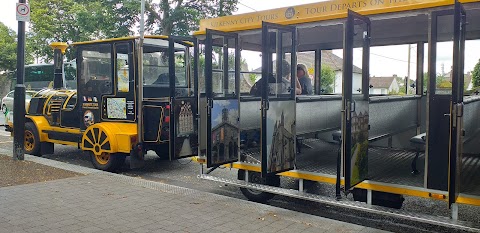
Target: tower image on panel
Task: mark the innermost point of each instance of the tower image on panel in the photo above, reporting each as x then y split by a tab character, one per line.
280	136
282	147
225	131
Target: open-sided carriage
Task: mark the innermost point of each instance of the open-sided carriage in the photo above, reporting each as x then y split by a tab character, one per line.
378	147
102	117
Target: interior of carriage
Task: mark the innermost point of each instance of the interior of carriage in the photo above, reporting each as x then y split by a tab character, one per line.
397	124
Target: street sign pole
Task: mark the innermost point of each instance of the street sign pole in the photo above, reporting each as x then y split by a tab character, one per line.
19	97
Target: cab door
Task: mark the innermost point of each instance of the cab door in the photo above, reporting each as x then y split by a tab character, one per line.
183	73
279	62
222	79
355	112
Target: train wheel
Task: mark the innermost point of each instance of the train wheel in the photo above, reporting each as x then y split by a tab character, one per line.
107	161
32	140
255	177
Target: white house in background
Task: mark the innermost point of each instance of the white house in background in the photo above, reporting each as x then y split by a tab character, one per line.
383	85
336	63
467	80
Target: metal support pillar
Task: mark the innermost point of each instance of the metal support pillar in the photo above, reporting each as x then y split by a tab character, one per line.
339	167
19	96
300	185
318	73
420	63
369	197
454	209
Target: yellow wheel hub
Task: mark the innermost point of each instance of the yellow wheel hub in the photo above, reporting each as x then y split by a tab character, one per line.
102	158
29	141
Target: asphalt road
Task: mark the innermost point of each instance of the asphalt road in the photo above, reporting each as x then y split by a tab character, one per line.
184	173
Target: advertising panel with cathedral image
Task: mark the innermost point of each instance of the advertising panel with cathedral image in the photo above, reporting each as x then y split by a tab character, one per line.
359	146
280	138
225	132
186	129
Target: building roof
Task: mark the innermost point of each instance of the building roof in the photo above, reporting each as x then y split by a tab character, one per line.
335	62
382	82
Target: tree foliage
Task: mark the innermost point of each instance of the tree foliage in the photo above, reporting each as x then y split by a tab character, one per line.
8	53
181	17
476	75
328	78
83	20
8	49
79	20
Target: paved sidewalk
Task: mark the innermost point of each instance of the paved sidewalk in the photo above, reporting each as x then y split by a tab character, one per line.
106	202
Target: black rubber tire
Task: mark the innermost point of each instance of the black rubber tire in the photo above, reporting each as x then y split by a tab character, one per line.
31	129
254	177
115	162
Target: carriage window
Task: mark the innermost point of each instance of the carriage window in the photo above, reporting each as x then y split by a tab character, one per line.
122	72
155	67
96	70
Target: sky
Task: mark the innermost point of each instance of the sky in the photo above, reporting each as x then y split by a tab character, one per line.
384	61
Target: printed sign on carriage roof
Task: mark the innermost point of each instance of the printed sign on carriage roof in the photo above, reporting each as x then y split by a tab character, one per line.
316	12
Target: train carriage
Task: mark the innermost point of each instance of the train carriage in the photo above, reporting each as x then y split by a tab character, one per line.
378	147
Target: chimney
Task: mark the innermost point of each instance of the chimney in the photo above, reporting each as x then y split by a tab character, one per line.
58	51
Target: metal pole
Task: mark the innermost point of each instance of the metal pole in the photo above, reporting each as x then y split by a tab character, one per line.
19	97
136	158
140	75
408	76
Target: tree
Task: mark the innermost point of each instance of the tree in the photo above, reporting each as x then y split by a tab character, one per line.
476	75
400	91
327	79
8	53
79	20
181	17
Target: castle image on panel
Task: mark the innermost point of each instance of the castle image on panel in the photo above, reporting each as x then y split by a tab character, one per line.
185	120
359	159
225	139
186	140
282	151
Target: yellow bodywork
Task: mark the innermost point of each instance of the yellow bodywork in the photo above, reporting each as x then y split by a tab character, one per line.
119	136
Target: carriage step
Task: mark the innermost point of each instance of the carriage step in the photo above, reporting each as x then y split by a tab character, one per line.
401	214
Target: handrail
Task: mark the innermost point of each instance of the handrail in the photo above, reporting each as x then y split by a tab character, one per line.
377	99
471	99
